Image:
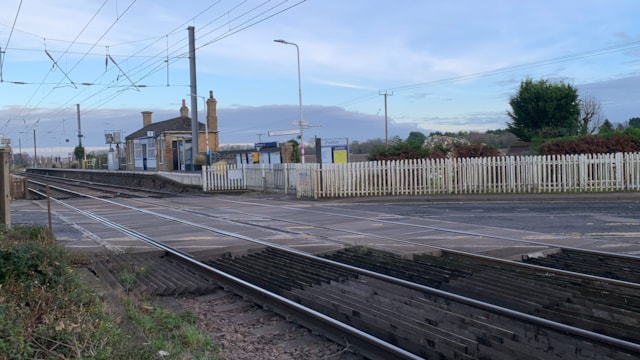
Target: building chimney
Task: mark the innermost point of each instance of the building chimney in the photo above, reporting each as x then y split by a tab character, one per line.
184	110
212	120
146	118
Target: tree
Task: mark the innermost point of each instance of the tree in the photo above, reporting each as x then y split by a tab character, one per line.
78	152
295	146
634	122
606	128
416	138
590	115
544	109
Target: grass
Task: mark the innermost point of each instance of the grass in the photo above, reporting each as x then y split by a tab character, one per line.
171	333
46	312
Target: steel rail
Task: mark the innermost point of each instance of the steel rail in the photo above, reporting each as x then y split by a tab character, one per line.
437	228
91	184
369	345
560	327
512	263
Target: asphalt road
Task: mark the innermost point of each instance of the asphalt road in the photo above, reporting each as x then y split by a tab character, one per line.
599	219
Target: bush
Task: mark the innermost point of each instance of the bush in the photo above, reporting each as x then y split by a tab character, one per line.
474	151
400	151
200	160
45	312
592	144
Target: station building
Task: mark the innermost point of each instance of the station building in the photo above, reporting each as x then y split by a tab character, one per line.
166	145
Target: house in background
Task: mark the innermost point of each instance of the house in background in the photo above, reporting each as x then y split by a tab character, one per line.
166	145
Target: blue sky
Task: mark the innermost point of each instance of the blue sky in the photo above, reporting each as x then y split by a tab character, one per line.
449	66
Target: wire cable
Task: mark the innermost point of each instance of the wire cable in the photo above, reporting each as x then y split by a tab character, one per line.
15	19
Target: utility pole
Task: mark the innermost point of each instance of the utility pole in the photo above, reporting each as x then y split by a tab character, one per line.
35	153
386	126
260	137
79	126
194	100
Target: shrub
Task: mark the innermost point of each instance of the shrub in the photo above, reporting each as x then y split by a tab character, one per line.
400	151
45	311
200	160
592	144
474	151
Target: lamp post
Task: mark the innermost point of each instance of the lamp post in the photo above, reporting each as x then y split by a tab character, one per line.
299	98
206	123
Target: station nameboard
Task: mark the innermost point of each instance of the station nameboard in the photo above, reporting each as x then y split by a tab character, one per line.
271	144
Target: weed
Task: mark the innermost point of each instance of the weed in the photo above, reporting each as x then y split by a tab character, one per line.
128	275
127	279
45	312
176	334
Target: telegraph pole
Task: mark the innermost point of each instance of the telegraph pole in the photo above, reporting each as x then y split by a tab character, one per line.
79	126
386	126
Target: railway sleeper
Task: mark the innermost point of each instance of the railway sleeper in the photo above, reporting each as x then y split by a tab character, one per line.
494	296
286	269
471	326
610	294
202	284
415	311
427	278
320	272
480	342
276	275
328	270
410	266
179	275
249	275
621	269
538	341
607	312
410	338
539	291
601	326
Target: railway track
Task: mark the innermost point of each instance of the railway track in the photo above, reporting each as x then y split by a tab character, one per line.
447	304
68	188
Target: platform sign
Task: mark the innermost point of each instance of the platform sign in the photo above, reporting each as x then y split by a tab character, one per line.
261	145
340	154
334	142
334	151
283	132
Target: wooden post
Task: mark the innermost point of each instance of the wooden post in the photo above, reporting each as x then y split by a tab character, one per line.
5	177
50	229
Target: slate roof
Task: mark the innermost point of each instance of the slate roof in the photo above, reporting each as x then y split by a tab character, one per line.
181	123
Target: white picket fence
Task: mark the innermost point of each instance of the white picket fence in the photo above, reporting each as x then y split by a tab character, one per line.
505	174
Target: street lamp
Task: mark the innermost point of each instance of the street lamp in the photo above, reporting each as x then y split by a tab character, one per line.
299	98
206	123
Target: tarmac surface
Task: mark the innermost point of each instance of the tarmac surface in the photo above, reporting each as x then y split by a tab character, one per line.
604	216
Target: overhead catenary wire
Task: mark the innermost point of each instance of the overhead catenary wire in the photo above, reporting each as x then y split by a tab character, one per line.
101	92
2	54
150	65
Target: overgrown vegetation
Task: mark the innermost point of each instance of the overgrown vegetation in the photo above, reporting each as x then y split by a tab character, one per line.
47	313
613	142
421	147
170	333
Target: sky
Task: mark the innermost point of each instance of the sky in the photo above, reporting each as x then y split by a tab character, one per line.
443	65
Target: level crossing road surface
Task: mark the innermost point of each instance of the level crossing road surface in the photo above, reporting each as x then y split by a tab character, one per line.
605	223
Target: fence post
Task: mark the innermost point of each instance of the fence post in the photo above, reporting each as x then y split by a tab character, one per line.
5	201
618	168
205	185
